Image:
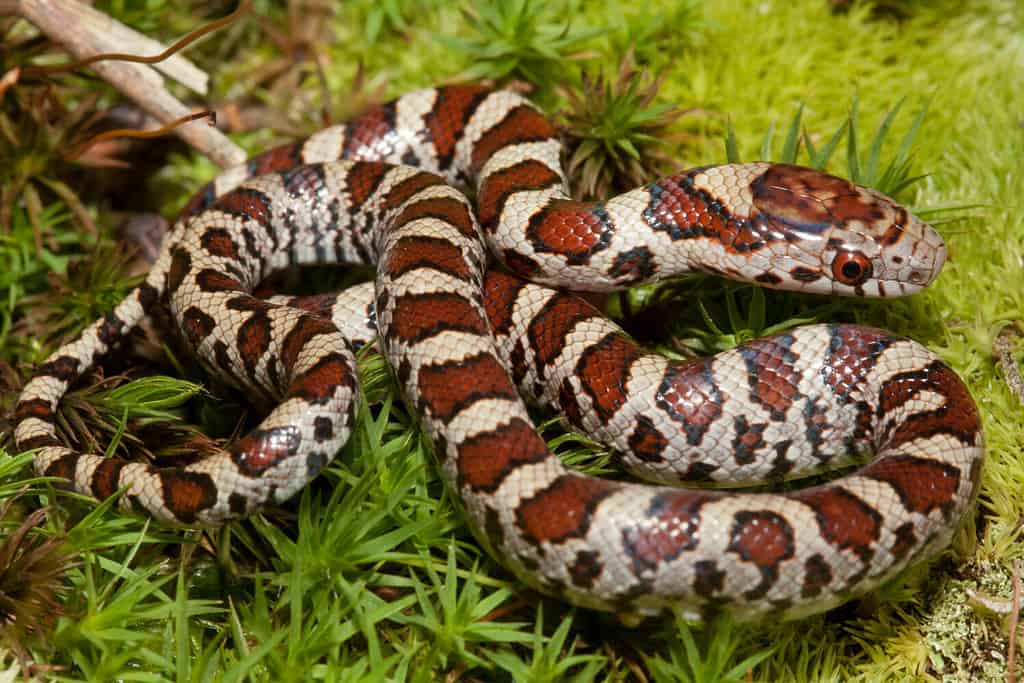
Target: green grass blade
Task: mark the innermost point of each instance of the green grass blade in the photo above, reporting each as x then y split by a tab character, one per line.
820	159
792	146
732	153
875	151
852	160
766	143
907	142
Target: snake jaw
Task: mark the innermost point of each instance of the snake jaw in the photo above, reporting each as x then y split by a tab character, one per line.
926	269
911	263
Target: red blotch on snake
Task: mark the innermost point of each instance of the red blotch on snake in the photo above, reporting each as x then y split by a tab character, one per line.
485	459
366	136
549	329
320	383
562	510
604	370
448	117
670	527
447	209
447	388
421	316
845	520
496	188
572	229
522	124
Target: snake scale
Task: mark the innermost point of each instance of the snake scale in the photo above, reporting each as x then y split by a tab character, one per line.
464	341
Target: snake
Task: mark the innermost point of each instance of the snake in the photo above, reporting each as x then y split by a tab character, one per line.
473	307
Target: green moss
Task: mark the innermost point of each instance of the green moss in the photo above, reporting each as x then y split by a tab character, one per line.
353	595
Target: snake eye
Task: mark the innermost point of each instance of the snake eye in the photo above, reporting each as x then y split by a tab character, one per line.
851	268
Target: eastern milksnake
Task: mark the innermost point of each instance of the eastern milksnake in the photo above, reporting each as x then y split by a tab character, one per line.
777	407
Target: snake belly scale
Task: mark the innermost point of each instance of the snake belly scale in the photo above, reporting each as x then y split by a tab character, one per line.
460	338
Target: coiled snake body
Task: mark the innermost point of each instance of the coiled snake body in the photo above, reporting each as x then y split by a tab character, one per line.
377	190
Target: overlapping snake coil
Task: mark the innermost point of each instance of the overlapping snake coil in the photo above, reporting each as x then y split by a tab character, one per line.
460	338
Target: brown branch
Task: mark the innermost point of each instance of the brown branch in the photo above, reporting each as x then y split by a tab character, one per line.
61	20
114	33
243	7
136	133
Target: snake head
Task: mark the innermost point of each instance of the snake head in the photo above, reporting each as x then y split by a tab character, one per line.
835	237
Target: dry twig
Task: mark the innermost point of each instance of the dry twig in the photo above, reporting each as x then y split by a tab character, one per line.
133	133
86	33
